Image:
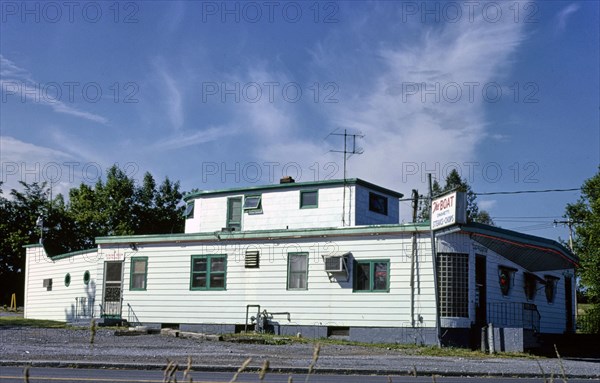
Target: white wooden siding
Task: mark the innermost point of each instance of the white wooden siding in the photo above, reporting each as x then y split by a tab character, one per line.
59	303
552	315
364	216
281	210
168	298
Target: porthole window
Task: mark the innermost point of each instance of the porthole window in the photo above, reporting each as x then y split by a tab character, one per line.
86	277
67	280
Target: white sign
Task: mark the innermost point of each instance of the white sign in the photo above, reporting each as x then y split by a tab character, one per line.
448	210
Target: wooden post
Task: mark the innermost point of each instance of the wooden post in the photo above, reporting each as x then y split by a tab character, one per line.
13	302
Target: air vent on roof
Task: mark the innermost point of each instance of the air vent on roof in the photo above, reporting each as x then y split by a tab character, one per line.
287	180
252	259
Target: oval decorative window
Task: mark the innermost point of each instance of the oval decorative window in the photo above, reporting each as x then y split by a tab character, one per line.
67	280
86	277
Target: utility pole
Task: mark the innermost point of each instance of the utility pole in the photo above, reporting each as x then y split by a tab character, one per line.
438	328
347	154
415	204
570	224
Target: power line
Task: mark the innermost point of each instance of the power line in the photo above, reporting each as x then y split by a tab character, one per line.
529	191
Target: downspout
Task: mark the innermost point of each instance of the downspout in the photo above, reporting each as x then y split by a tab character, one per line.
412	278
438	328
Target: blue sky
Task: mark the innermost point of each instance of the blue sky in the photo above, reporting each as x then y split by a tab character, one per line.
227	94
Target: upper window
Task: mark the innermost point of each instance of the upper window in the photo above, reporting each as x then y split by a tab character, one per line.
297	271
378	203
309	199
373	275
189	210
208	272
234	213
252	203
139	270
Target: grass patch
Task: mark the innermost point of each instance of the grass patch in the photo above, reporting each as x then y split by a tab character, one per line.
408	349
14	321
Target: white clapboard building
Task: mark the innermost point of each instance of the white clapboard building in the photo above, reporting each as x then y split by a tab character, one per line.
317	258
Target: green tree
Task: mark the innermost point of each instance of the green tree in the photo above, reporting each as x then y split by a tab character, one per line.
455	182
120	207
19	217
585	215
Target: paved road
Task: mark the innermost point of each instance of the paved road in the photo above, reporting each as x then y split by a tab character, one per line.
68	375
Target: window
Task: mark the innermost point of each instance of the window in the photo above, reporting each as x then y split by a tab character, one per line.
253	204
372	276
530	286
378	203
208	272
550	288
453	284
47	283
139	271
67	280
189	210
86	277
297	271
505	276
309	199
234	213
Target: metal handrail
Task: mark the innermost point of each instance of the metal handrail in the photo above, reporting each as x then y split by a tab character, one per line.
131	312
514	314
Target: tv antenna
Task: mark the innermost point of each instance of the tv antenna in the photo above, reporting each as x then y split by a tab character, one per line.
349	151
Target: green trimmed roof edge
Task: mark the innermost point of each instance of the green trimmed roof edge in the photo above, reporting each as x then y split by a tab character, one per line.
274	234
73	253
311	184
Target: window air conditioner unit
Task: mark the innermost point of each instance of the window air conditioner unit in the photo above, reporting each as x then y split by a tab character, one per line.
335	264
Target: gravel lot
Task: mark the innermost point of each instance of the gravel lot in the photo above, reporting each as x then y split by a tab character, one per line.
48	346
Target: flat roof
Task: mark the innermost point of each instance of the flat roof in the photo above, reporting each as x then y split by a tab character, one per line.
292	185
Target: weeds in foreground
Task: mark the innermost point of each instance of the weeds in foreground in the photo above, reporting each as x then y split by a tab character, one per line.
562	366
315	358
187	373
170	371
263	370
93	329
240	370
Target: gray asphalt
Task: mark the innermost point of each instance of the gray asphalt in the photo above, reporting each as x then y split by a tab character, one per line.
42	375
71	348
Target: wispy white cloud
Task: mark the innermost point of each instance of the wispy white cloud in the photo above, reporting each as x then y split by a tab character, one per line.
27	162
486	204
172	96
564	14
185	139
413	104
18	82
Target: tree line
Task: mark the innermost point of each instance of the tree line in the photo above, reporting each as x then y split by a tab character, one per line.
116	206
